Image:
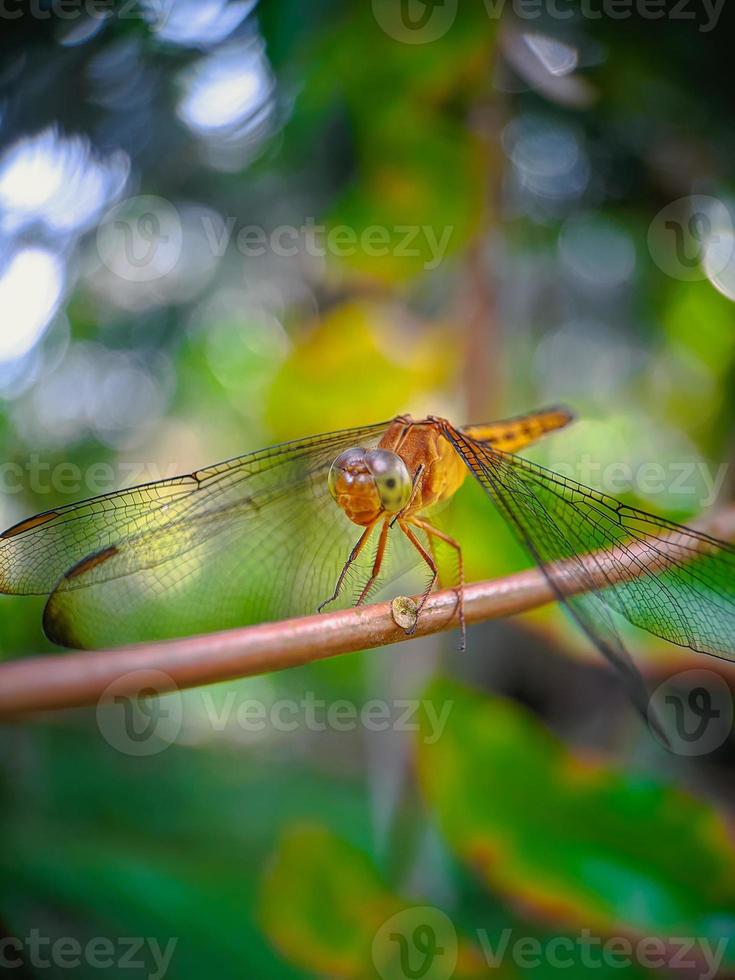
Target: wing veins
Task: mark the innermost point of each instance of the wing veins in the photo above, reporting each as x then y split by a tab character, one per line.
653	545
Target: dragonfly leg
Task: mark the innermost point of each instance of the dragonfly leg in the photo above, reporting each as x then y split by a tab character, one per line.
417	479
352	556
379	555
434	532
429	561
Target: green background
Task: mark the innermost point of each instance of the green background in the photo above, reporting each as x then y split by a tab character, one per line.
547	151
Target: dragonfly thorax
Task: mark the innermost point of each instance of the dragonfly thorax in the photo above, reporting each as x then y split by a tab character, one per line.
368	482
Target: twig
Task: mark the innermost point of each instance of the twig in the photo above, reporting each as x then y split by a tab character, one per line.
82	678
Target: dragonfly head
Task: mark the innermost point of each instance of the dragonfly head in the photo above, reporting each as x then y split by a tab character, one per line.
366	482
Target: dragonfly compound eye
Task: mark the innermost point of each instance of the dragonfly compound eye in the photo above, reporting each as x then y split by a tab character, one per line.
391	478
346	470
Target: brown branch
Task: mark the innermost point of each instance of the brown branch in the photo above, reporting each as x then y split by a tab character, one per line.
84	678
81	678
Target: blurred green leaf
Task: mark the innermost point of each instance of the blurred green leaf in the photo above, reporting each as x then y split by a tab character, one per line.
417	201
701	320
358	355
324	906
170	846
582	843
98	886
418	168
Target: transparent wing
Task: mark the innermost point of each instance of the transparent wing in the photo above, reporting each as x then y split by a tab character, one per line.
601	555
255	538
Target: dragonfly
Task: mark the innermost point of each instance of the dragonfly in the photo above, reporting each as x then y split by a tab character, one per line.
323	521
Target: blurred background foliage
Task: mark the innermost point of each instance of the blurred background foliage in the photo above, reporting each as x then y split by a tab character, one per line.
542	165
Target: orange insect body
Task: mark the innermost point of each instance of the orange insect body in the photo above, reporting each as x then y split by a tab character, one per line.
421	445
424	444
414	468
